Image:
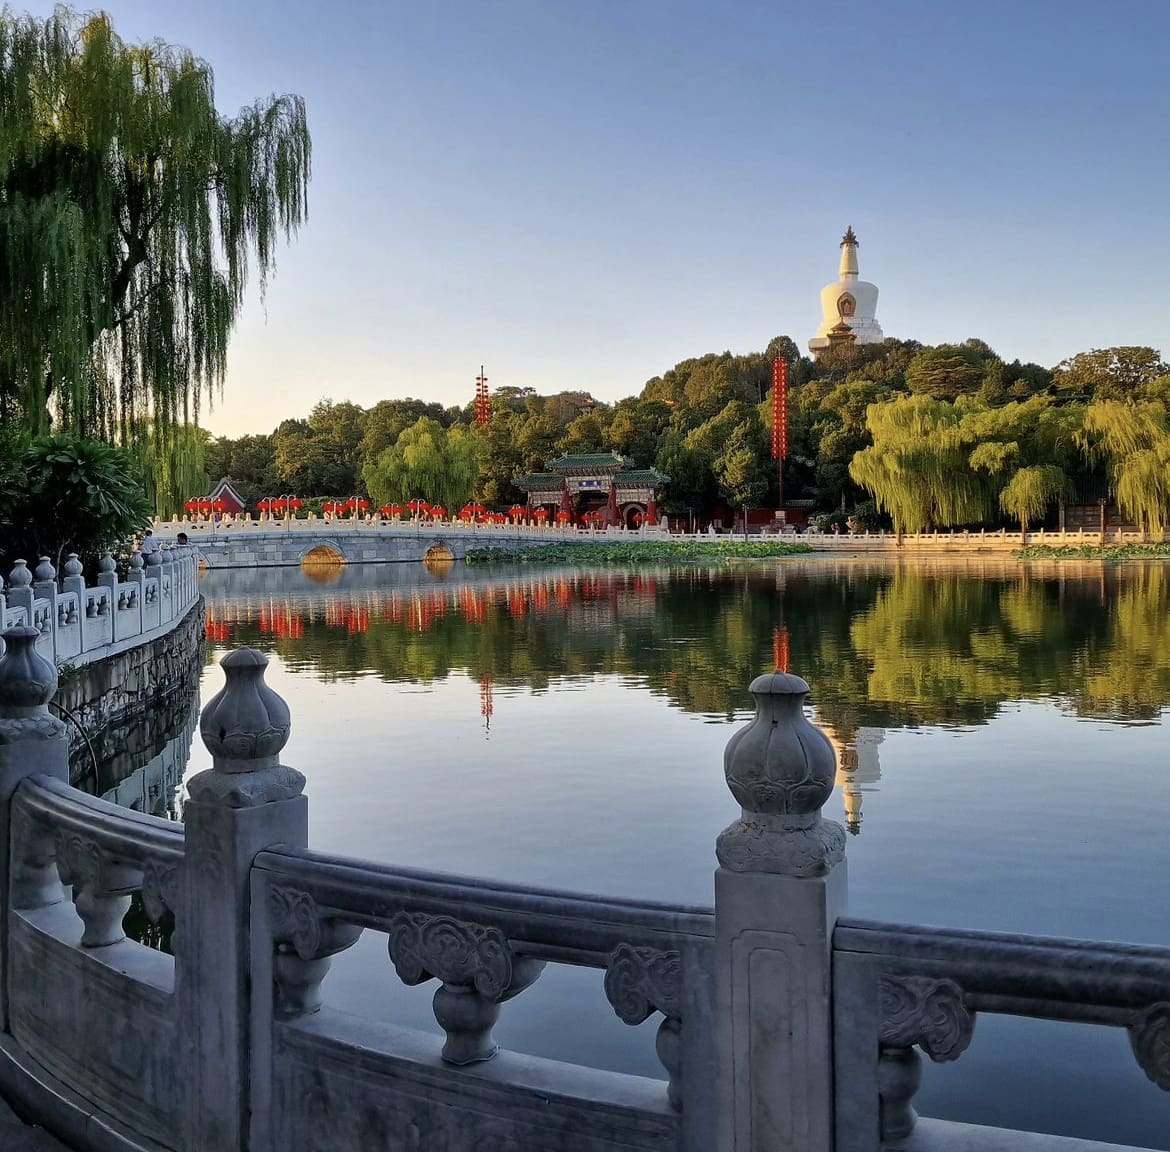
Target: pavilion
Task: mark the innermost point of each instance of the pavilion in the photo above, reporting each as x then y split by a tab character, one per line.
600	483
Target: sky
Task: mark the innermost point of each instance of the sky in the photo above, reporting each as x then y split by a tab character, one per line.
578	194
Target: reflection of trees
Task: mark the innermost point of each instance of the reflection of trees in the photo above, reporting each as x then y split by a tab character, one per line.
883	644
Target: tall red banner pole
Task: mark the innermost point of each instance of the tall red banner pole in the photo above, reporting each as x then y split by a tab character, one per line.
780	422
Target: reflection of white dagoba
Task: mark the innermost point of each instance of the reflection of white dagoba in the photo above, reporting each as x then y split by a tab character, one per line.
848	307
857	764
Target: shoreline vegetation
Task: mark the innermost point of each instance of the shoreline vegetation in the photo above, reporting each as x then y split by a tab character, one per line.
648	552
1095	552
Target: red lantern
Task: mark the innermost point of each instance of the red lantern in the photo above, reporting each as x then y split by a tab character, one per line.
517	511
540	514
564	517
418	507
191	505
436	512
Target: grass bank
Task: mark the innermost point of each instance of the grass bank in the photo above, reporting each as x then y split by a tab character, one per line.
1095	552
647	552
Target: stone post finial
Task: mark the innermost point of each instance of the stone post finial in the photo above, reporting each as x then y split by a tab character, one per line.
106	563
245	726
20	576
44	571
136	561
73	565
27	680
780	768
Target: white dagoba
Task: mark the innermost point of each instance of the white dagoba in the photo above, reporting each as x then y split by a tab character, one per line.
848	307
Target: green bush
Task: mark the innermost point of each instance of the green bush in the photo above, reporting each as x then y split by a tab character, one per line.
64	493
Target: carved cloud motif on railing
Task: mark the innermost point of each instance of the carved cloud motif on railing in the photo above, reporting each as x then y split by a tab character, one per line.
1149	1035
639	981
928	1012
468	955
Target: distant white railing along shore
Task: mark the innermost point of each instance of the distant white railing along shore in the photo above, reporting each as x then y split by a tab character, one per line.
80	624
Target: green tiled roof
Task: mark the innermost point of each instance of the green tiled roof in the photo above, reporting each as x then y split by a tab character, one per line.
641	477
539	480
587	461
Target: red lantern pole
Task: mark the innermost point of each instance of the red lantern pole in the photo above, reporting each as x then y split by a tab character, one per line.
780	422
482	402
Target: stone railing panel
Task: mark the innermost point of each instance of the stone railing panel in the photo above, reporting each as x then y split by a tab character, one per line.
485	944
899	989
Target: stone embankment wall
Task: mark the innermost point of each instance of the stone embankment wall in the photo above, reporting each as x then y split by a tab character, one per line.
130	704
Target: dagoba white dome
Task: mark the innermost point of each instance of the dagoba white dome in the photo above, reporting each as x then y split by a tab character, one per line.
848	306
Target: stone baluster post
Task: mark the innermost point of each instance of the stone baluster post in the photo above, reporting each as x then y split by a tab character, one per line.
32	742
107	572
136	577
74	580
20	593
246	802
45	590
779	891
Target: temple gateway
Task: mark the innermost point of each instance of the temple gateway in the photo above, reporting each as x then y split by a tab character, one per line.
595	487
848	306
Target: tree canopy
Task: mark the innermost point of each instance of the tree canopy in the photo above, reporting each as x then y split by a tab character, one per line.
429	462
131	214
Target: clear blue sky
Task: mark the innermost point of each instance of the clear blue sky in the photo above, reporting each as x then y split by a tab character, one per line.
580	193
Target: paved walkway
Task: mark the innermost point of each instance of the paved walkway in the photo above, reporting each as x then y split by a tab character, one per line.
18	1137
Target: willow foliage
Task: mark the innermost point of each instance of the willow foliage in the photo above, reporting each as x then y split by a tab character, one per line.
131	214
1134	441
437	464
918	467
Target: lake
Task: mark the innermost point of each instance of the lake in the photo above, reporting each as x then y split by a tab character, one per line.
1000	727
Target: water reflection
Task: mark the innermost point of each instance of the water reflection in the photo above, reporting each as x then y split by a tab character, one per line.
885	645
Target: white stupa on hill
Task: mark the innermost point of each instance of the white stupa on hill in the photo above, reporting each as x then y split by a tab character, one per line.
848	306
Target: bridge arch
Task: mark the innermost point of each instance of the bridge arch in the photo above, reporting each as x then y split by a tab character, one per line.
323	555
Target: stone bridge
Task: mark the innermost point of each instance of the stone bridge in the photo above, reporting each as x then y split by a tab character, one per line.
266	546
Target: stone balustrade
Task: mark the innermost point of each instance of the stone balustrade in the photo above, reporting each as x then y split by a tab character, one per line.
80	624
781	1025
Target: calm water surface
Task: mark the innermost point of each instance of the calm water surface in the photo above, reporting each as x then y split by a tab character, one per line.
1000	729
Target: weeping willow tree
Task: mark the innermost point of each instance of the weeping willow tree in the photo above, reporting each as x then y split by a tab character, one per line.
437	464
1032	491
173	467
131	214
918	468
1134	442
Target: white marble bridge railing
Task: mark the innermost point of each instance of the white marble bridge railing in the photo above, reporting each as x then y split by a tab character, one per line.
781	1025
79	623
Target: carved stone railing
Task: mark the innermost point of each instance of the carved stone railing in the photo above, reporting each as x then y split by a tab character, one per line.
898	989
781	1026
485	944
78	623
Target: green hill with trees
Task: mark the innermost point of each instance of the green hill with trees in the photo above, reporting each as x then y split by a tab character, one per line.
907	434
